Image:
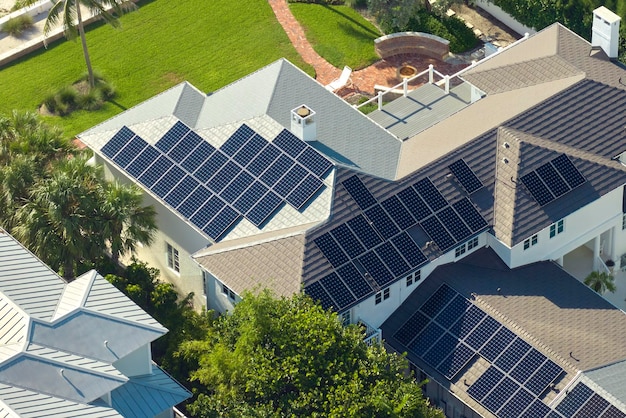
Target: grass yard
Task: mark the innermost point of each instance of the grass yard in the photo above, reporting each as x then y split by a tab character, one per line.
338	33
209	44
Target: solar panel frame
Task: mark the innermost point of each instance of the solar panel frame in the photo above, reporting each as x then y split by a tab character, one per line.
207	212
236	187
469	214
467	322
613	412
250	150
331	250
381	221
396	210
130	151
347	240
223	177
364	231
414	203
319	294
482	333
568	171
485	383
263	160
537	188
454	310
290	180
142	162
223	221
553	180
513	354
574	399
172	136
438	300
360	194
179	193
264	209
438	233
497	344
537	409
194	201
337	290
199	155
315	162
453	223
528	365
433	198
392	259
354	280
275	171
440	350
304	191
237	140
500	394
517	404
376	268
545	375
185	147
594	407
156	170
465	176
426	339
212	165
411	328
408	249
456	361
117	142
250	197
289	143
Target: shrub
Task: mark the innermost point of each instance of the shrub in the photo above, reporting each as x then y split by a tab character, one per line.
460	36
51	103
92	100
68	95
17	25
328	2
107	91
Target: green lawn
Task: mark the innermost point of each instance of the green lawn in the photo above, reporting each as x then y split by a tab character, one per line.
208	43
338	33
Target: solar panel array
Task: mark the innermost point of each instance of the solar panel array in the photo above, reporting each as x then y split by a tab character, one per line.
448	330
553	179
215	188
375	243
465	176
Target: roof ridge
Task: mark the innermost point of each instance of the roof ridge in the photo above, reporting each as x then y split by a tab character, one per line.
135	380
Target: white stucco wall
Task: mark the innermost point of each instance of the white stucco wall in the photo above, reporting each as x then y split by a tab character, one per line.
504	17
137	363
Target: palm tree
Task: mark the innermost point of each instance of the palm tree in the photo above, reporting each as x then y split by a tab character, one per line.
68	12
123	220
600	282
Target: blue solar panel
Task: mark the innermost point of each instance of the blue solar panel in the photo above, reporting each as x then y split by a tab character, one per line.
440	350
348	241
392	258
467	322
185	147
570	173
314	161
500	394
221	223
117	142
414	203
537	189
375	267
483	332
527	366
381	221
363	230
142	162
359	192
207	212
236	140
290	180
551	178
437	233
172	137
211	166
331	250
454	224
514	353
250	197
497	344
427	190
537	409
234	190
354	280
398	212
250	150
130	151
181	191
594	407
426	339
452	364
277	170
337	290
517	404
574	400
264	209
465	176
262	161
409	250
319	294
546	374
304	191
453	311
409	330
438	300
613	412
485	383
469	214
289	143
168	181
198	156
194	201
155	171
221	179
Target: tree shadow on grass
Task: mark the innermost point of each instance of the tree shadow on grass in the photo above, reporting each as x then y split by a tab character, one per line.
356	22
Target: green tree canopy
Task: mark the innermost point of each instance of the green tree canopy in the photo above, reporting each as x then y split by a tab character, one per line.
600	282
288	357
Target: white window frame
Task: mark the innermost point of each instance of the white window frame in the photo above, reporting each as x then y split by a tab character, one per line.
172	257
559	226
460	250
228	292
531	242
473	243
382	295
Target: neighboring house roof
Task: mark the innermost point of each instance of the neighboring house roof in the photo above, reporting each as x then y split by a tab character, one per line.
532	315
60	360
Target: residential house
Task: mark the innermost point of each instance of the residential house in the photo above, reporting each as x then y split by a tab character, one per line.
75	349
272	181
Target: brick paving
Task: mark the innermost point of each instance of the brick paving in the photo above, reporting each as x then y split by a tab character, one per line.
383	72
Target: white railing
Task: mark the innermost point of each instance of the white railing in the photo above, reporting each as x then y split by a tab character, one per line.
178	414
600	266
372	335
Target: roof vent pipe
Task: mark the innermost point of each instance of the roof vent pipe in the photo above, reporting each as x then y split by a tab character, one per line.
303	123
605	31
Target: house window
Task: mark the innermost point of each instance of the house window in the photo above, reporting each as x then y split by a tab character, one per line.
413	278
530	242
459	251
557	228
173	260
228	292
624	222
380	296
473	243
